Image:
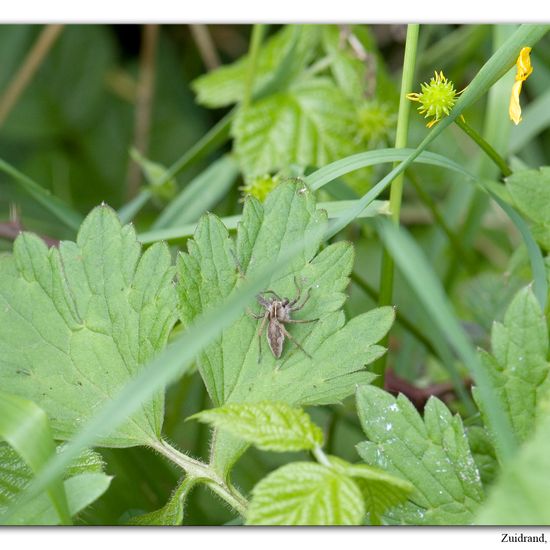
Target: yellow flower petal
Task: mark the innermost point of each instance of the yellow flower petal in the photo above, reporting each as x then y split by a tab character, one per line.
523	64
515	108
523	70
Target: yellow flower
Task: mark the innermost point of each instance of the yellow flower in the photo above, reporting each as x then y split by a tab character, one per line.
524	69
436	98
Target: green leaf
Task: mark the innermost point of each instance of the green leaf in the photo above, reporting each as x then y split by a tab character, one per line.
520	495
82	490
530	191
76	323
432	453
208	274
166	367
172	512
484	453
310	124
270	426
25	427
84	483
381	491
517	367
226	85
305	493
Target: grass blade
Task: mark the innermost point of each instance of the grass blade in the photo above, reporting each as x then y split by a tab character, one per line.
25	427
64	213
333	208
201	194
415	268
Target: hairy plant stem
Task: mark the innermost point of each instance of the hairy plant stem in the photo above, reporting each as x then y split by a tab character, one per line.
205	474
484	145
396	190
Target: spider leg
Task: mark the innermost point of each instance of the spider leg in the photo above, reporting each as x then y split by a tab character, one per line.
271	292
299	287
301	321
260	332
252	314
298	307
294	341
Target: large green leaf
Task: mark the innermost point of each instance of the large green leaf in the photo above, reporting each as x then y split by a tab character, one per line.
76	323
530	191
226	85
518	368
209	273
84	483
305	493
432	453
310	124
270	425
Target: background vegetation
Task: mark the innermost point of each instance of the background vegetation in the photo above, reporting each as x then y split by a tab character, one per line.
142	119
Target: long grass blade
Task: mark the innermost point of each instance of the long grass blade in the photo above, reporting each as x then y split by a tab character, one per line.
25	427
64	213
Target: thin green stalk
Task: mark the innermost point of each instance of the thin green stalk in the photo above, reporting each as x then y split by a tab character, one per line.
254	51
213	139
409	326
485	146
461	252
396	190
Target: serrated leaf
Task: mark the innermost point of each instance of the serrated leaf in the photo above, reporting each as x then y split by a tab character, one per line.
518	368
269	425
305	493
84	482
530	191
76	323
432	453
484	453
226	85
310	124
208	273
520	494
381	491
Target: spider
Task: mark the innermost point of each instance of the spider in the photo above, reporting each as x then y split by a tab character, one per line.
277	313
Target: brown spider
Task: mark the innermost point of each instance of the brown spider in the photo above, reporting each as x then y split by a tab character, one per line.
277	312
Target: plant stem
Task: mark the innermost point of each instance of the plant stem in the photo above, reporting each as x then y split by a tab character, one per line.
320	456
408	325
30	65
144	104
396	191
461	252
484	145
214	138
255	43
201	471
